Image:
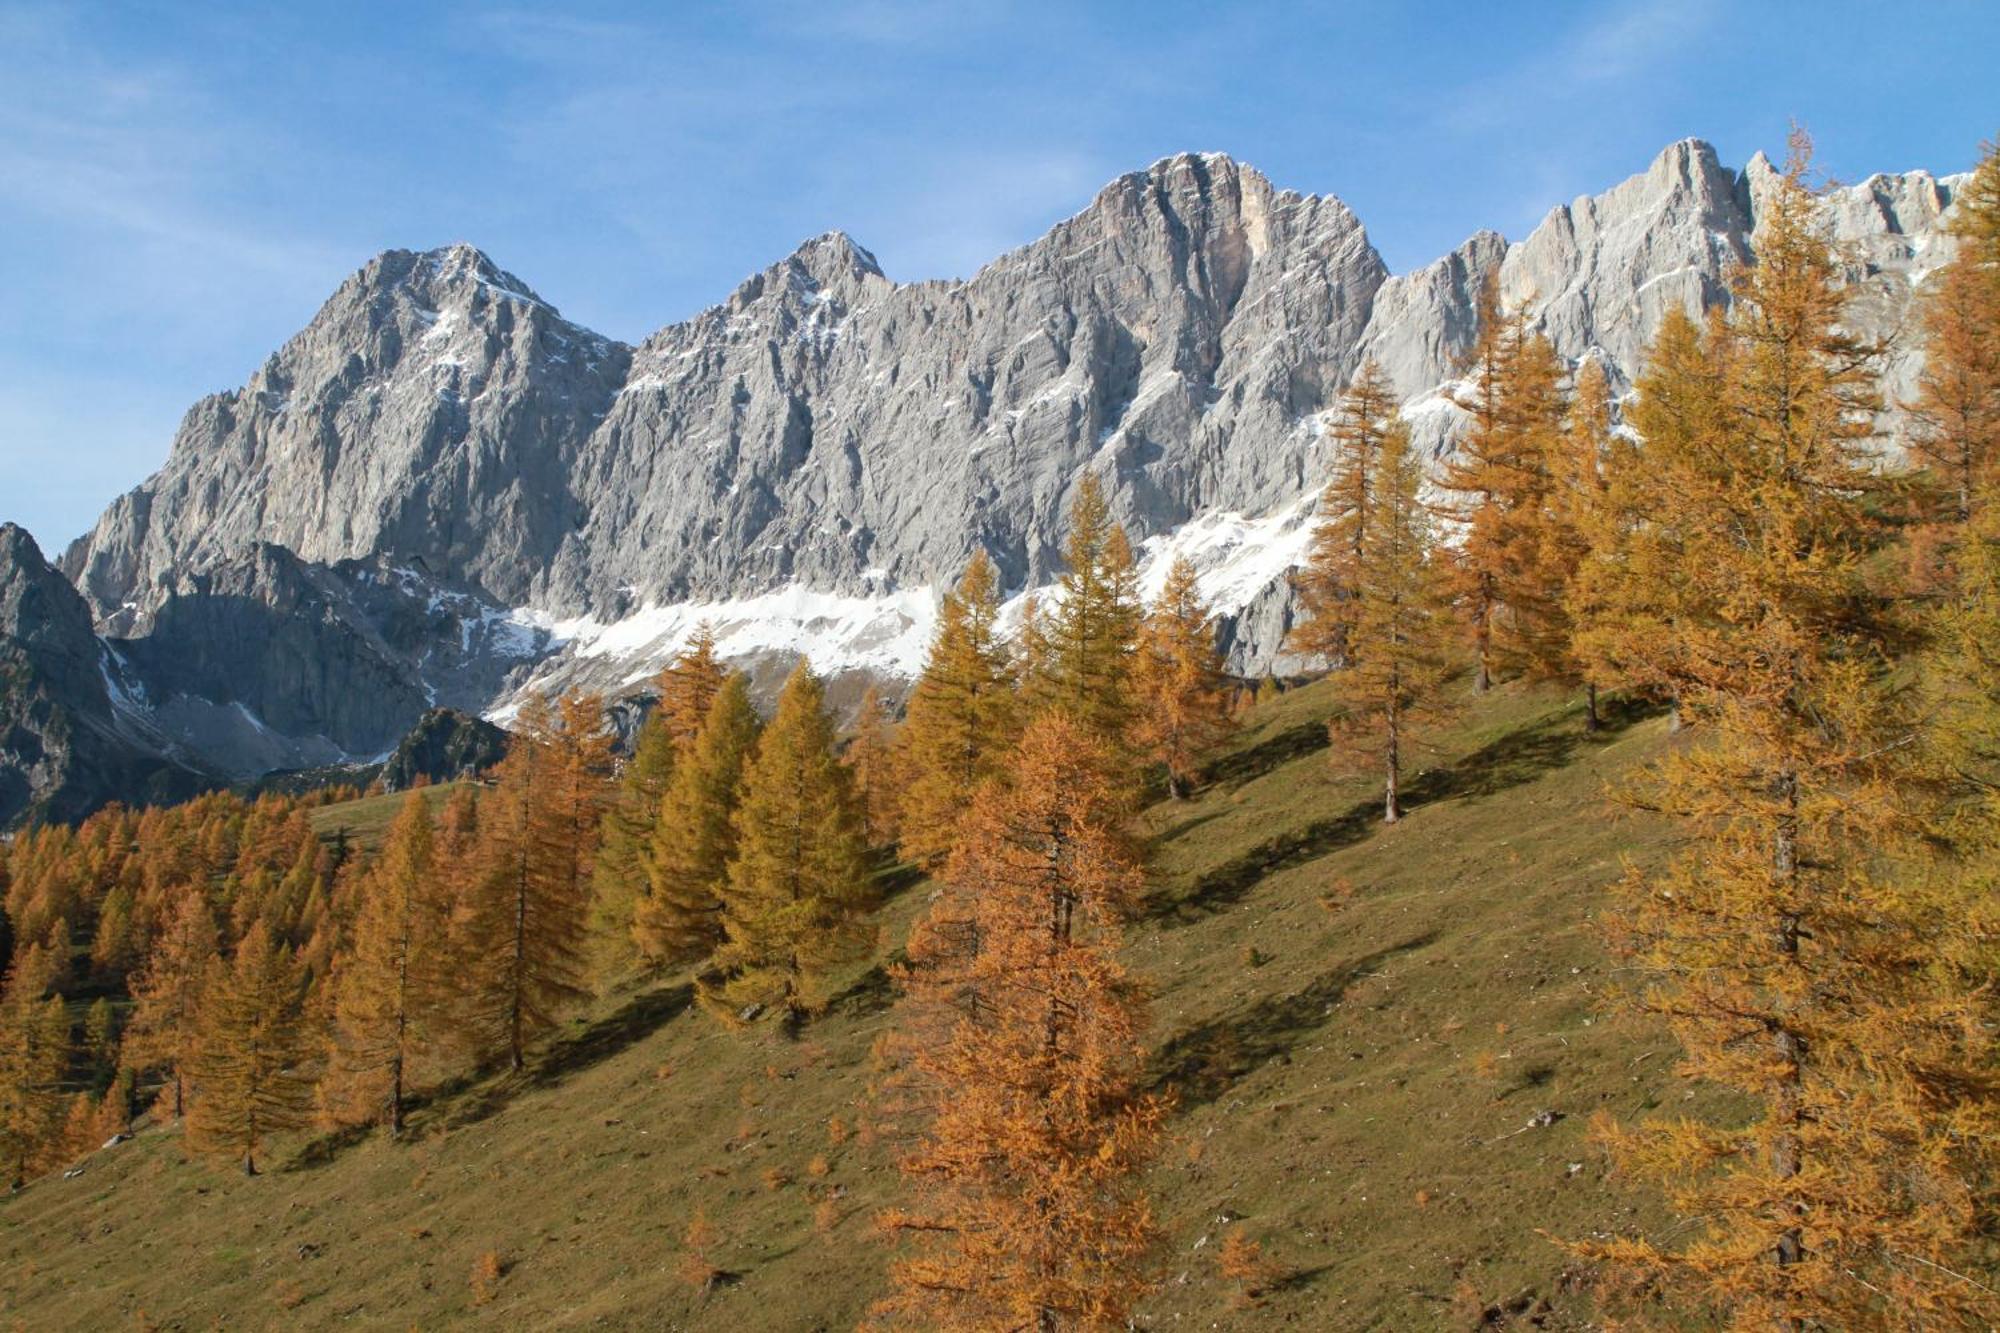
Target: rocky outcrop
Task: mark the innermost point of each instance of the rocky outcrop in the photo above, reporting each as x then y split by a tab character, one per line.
441	490
444	746
66	744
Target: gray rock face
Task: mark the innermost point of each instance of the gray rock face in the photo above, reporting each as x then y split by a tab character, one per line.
440	483
431	411
65	745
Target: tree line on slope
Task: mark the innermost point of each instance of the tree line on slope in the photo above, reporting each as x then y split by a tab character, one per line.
1821	626
256	978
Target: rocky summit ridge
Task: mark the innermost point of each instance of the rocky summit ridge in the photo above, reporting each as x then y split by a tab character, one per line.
441	491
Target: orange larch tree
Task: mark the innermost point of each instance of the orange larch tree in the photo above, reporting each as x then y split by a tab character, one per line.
1397	621
689	685
1089	634
1800	960
961	715
249	1062
798	886
525	940
687	860
1022	1032
34	1052
1496	484
1183	696
871	759
394	987
1325	584
1957	410
166	995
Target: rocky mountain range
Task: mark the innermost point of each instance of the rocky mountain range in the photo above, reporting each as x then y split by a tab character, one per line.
441	493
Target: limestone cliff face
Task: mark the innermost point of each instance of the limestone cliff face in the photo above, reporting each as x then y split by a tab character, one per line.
66	746
432	411
440	489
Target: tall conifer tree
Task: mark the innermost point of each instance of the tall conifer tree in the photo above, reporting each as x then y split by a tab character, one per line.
1498	484
393	1000
680	918
870	757
1326	583
1579	501
1797	966
619	878
1398	621
689	685
798	886
166	995
34	1051
524	941
1957	411
1022	1033
960	715
1637	582
1090	634
1183	697
249	1065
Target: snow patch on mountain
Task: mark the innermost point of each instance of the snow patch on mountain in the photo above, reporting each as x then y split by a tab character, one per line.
1235	557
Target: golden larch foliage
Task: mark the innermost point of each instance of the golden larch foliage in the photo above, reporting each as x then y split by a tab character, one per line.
619	879
1183	696
1799	958
871	757
961	715
687	859
1085	642
249	1061
798	887
524	958
1396	620
689	685
394	992
166	995
34	1051
1957	410
1497	486
1022	1035
1325	584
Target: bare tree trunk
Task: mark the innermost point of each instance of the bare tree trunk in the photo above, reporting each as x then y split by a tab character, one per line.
1786	1108
1591	721
1391	806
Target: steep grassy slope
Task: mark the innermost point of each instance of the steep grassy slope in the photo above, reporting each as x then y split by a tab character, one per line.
1362	1024
365	823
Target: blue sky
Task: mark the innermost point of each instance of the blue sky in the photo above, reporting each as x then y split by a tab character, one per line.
181	185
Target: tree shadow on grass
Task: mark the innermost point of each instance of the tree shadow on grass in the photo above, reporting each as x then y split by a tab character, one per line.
1204	1062
473	1097
1272	752
1512	760
873	992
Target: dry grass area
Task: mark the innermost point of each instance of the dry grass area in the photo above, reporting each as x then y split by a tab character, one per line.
366	821
1386	1043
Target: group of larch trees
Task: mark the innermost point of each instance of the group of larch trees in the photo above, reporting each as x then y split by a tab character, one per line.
1824	628
1727	541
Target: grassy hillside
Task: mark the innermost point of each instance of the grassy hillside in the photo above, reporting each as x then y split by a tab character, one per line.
1369	1030
366	821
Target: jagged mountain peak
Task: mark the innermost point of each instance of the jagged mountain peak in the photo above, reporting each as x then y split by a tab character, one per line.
438	275
1208	190
807	461
835	254
828	267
